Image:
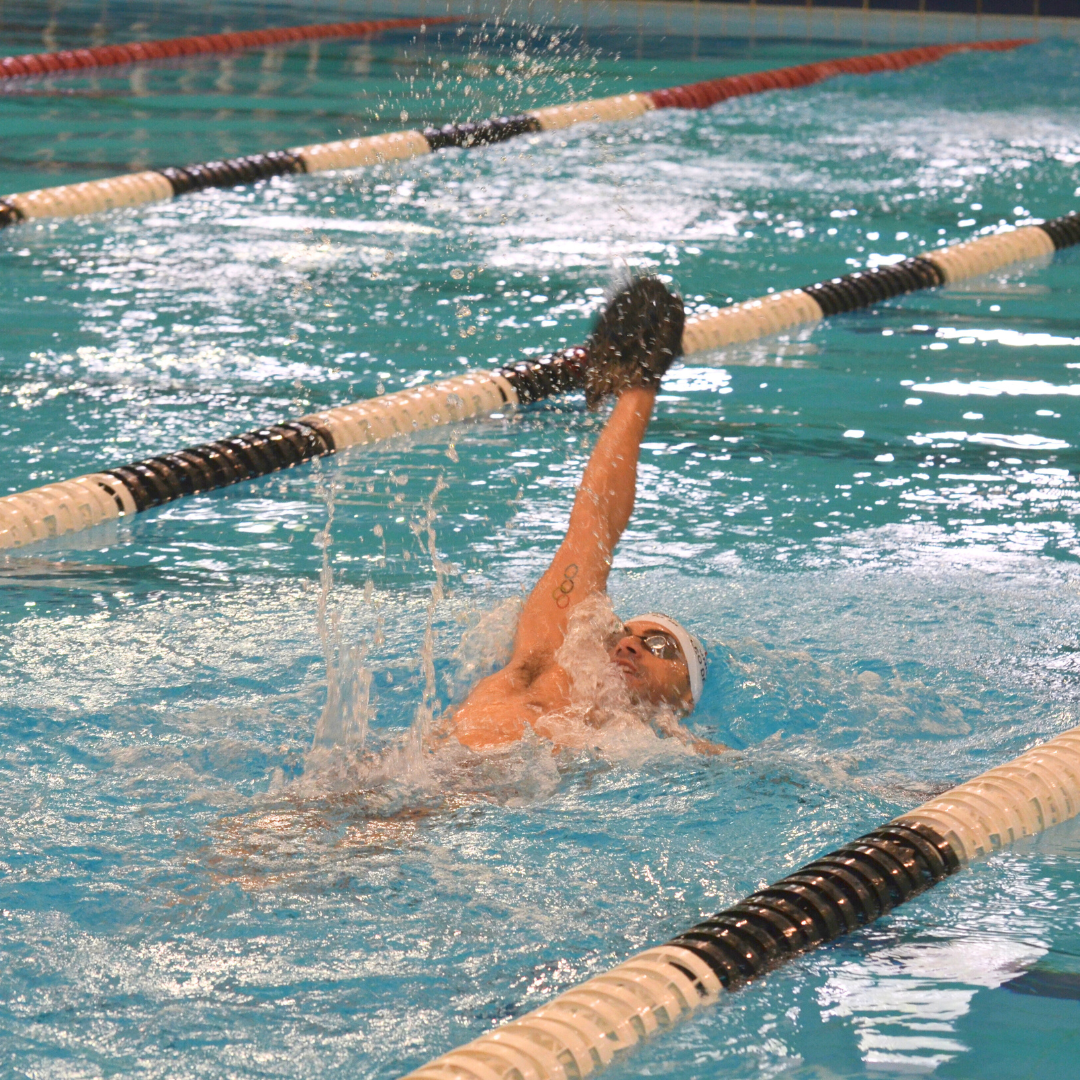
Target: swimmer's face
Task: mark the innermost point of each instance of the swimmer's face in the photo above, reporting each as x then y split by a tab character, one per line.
656	680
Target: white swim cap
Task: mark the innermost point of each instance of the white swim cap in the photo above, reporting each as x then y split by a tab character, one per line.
693	648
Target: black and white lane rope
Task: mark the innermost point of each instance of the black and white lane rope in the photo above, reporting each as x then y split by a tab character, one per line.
71	505
159	185
583	1029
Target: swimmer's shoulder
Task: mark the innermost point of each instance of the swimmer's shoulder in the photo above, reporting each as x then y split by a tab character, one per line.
501	708
517	679
493	714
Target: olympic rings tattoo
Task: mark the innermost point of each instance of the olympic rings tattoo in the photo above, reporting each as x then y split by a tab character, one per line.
565	587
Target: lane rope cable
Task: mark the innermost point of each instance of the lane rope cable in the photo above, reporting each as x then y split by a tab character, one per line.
71	505
35	65
582	1030
160	185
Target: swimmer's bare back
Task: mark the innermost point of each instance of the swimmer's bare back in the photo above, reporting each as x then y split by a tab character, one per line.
532	687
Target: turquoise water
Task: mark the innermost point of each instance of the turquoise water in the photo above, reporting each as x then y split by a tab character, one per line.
220	857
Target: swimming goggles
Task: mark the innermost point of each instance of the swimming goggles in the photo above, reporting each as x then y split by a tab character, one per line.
662	645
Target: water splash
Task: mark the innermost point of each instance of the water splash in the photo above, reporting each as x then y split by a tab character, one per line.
601	715
345	719
486	644
420	732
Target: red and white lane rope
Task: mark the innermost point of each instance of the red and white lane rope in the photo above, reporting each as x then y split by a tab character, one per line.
138	52
156	185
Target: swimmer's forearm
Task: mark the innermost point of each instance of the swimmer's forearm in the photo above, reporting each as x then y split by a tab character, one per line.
605	499
601	512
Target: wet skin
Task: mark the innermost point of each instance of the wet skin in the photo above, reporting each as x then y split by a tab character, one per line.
650	678
533	690
503	707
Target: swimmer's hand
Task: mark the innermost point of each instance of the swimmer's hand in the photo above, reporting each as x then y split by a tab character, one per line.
671	727
706	748
635	340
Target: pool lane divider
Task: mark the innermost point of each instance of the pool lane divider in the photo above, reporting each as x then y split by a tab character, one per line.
71	505
159	185
584	1029
36	65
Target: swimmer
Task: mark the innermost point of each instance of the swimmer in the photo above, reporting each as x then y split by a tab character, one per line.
662	664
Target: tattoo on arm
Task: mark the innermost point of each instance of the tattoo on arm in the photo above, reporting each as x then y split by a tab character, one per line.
565	587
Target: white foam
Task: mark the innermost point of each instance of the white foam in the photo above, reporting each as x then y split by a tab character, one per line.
997	387
298	223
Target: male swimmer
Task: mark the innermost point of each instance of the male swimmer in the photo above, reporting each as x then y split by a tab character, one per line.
662	664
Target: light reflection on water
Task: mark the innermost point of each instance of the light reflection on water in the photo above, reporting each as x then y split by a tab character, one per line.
188	885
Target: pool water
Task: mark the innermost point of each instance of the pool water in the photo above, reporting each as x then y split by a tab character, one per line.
223	854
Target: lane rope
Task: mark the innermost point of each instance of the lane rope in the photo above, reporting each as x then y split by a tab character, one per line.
158	185
34	65
579	1032
71	505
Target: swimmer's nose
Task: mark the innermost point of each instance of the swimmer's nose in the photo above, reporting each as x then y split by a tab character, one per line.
629	644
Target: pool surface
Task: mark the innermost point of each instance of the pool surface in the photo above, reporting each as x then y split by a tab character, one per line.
224	855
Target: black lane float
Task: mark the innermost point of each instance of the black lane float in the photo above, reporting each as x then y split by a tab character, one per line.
71	505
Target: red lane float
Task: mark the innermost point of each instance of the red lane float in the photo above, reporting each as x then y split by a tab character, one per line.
703	95
135	52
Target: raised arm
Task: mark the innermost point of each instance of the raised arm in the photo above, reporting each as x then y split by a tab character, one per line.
602	509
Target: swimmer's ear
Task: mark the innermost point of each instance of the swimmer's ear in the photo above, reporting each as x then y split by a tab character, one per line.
636	338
